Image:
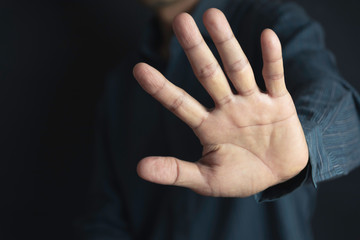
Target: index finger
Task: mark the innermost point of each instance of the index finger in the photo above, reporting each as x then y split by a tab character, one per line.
170	96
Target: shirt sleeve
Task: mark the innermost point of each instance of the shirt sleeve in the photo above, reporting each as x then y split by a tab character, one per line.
327	106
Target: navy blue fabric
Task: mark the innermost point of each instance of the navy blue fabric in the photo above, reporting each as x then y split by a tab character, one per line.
132	125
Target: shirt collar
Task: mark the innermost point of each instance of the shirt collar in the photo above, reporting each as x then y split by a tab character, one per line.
201	8
151	39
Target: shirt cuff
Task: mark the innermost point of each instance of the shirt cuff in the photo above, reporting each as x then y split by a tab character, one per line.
307	175
279	190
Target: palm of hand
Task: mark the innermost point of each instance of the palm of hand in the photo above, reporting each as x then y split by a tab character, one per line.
243	156
252	140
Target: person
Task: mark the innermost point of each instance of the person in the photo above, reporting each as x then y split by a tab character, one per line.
260	138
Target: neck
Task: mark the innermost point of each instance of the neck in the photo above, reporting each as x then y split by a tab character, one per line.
167	10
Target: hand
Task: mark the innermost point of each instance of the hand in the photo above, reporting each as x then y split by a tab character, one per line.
251	140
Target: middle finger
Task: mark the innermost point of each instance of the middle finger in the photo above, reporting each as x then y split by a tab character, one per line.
203	62
235	62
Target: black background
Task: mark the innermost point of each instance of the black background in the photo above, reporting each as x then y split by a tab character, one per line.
54	56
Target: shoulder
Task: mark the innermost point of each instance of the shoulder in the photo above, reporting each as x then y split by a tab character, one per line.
255	15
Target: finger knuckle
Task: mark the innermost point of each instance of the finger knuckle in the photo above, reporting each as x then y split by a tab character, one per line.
275	60
178	102
226	100
274	76
239	65
208	71
248	91
154	87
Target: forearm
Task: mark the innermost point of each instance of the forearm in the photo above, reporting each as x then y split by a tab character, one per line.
330	121
327	106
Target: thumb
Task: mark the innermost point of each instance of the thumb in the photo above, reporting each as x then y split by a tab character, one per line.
173	171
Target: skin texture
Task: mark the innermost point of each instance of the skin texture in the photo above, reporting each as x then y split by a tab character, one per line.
251	140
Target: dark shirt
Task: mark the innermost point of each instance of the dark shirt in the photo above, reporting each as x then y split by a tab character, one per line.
132	125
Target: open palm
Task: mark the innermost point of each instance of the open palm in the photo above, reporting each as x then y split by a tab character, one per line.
251	140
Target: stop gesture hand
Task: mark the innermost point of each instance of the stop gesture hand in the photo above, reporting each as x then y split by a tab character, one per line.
251	139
